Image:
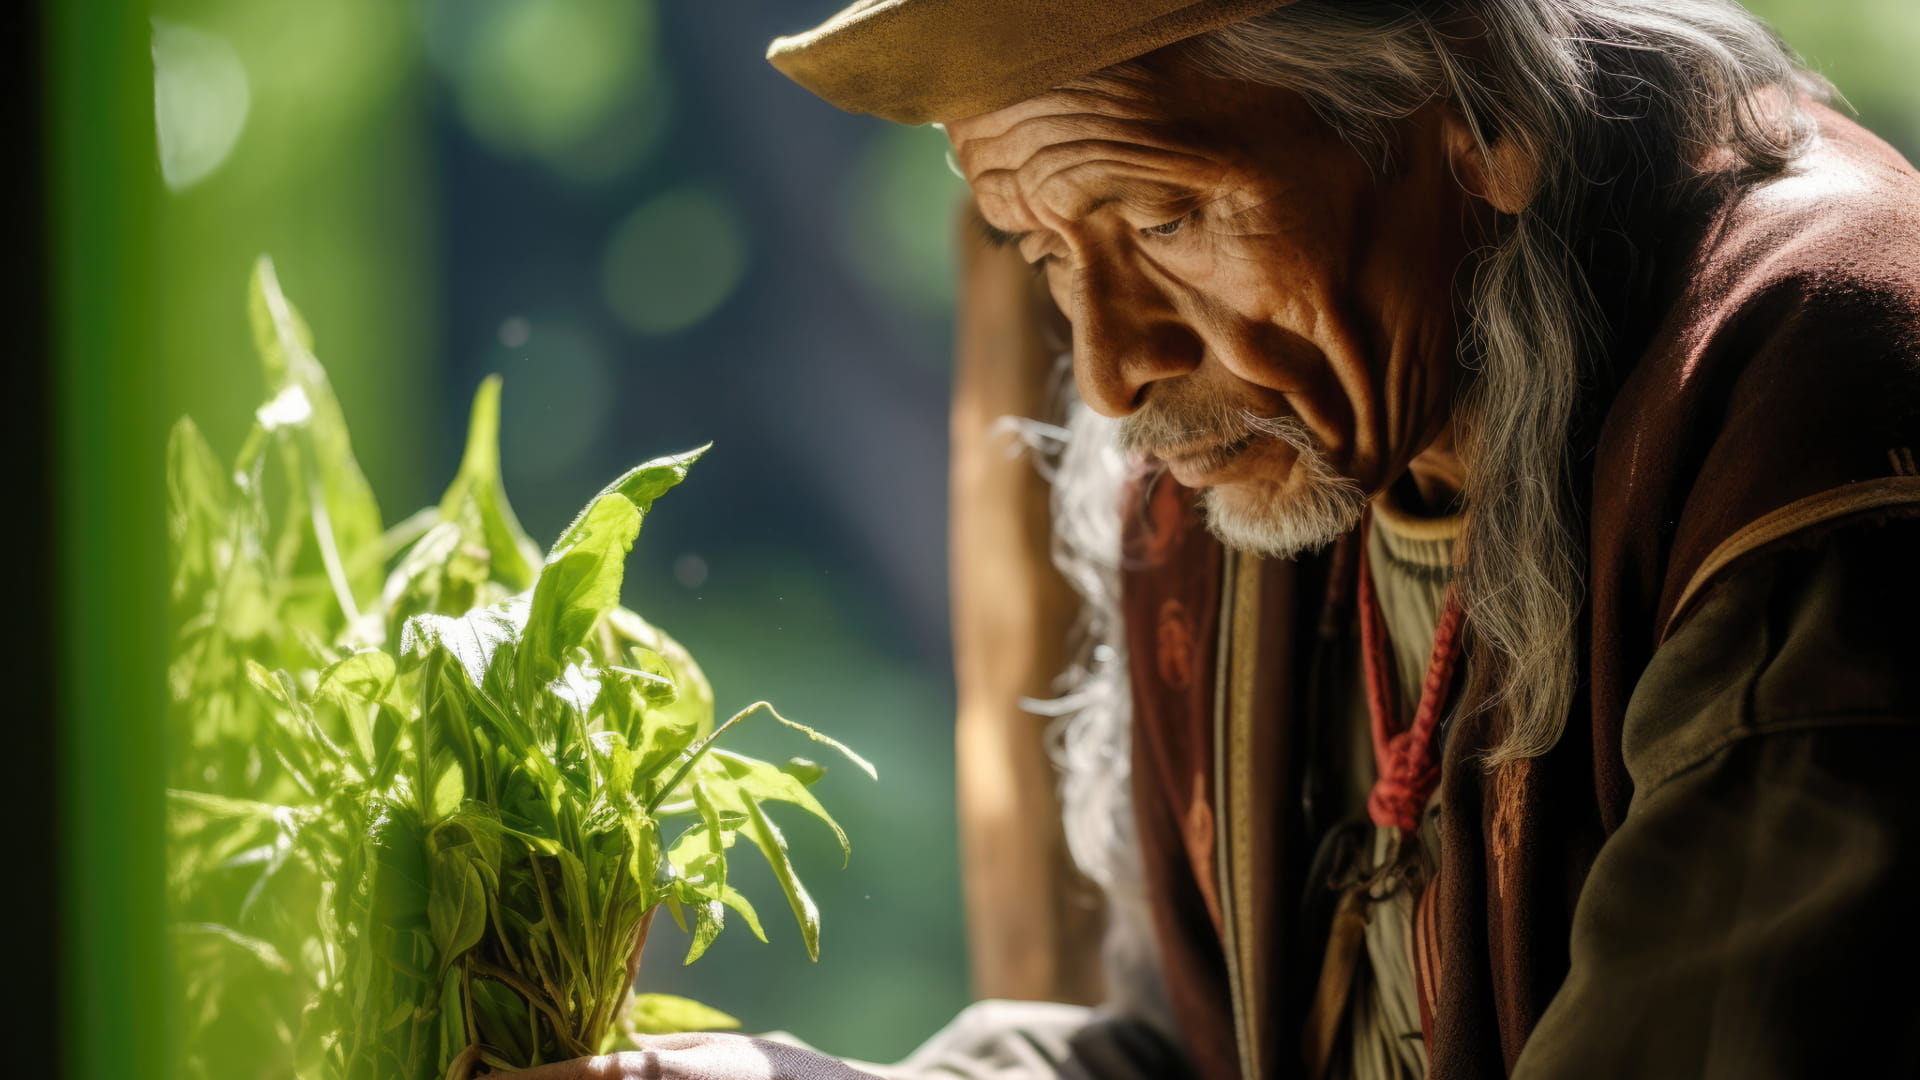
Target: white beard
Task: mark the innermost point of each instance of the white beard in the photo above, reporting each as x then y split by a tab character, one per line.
1316	507
1091	735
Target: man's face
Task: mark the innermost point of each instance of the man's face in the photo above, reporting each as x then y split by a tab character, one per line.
1268	315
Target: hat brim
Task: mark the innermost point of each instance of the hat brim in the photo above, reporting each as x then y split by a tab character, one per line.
933	61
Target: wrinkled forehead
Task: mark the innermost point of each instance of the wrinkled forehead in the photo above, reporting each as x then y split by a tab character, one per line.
1007	138
1128	111
1137	125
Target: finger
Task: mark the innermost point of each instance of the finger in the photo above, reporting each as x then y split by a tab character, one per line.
604	1067
701	1056
679	1057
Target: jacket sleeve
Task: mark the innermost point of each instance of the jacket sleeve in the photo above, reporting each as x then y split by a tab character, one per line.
1754	915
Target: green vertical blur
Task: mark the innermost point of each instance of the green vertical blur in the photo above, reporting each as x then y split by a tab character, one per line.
330	175
111	540
287	128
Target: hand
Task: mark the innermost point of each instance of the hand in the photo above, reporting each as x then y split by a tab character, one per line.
701	1056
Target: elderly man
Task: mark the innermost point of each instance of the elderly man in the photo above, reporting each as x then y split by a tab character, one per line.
1492	497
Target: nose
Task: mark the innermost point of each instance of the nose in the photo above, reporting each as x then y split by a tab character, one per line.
1127	335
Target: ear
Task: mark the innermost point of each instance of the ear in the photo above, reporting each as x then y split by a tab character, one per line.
1503	176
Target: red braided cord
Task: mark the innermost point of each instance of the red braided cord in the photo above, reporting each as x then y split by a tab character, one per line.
1407	761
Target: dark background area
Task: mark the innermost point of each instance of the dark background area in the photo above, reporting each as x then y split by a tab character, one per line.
26	442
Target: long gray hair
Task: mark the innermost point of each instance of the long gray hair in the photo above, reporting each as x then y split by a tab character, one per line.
1621	109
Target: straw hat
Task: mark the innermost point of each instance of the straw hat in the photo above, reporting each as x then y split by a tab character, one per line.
928	61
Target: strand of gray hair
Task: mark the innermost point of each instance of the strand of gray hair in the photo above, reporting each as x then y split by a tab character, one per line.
1090	732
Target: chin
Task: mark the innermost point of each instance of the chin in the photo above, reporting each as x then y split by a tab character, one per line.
1312	508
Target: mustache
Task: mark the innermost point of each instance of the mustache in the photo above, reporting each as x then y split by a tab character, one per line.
1196	426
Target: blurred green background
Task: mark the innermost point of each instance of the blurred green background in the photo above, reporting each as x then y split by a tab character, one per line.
659	242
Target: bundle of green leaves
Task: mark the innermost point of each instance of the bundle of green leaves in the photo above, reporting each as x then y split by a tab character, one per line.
430	785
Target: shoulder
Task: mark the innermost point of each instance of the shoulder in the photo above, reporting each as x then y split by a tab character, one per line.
1807	636
1785	370
1844	219
1818	267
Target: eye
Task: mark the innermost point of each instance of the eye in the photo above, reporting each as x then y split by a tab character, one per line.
1168	228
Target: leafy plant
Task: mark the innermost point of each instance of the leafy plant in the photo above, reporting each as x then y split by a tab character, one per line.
426	776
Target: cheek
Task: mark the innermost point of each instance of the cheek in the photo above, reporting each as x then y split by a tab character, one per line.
1276	275
1273	317
1059	286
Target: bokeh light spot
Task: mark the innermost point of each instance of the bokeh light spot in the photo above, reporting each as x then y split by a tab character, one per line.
672	262
628	137
514	332
897	214
690	571
544	77
200	102
555	404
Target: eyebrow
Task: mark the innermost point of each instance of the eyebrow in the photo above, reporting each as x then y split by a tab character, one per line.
1119	190
1001	238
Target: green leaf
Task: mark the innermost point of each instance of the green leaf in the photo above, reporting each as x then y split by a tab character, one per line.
514	556
828	740
471	639
198	491
449	791
665	1014
578	688
671	726
418	584
400	1014
654	688
579	584
259	950
647	864
615	764
733	898
503	1015
402	535
362	679
277	685
803	770
692	853
474	828
198	485
709	918
224	807
366	676
640	486
346	516
399	885
280	335
716	829
456	905
766	836
737	783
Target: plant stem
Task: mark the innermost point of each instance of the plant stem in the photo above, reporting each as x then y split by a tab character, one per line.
555	926
463	1065
323	537
700	751
534	999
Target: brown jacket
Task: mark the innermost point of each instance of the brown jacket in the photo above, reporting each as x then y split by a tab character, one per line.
1699	880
